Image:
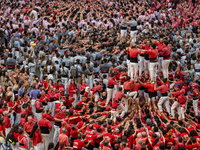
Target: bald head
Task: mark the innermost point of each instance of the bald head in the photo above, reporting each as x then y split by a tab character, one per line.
64	130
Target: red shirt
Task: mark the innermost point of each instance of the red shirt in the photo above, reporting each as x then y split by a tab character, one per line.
18	110
117	75
89	137
2	128
119	95
191	147
37	138
115	103
78	144
38	105
109	135
44	83
134	53
22	121
71	89
150	87
28	127
176	146
163	88
165	52
195	93
179	82
50	118
7	123
43	100
152	53
23	140
136	87
51	94
111	82
74	133
169	142
45	123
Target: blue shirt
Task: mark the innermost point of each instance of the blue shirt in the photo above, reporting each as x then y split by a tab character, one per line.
20	92
34	93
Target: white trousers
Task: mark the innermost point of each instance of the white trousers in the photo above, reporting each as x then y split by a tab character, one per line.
126	104
35	14
129	67
18	118
123	110
164	100
65	83
52	106
33	105
7	131
38	146
182	113
195	107
146	97
123	33
134	94
152	70
96	97
134	69
76	99
90	81
46	141
115	113
56	134
146	66
165	65
109	95
160	59
133	35
22	148
29	141
141	93
115	90
38	116
141	65
175	105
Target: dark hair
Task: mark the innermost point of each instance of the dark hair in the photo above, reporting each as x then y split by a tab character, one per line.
51	145
33	130
62	145
1	121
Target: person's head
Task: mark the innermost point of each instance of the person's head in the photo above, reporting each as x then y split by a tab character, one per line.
2	121
30	119
180	139
51	145
64	130
62	145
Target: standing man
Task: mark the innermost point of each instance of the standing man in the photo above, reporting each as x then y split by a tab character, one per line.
123	30
134	60
111	83
195	96
38	107
11	63
28	126
164	96
33	96
45	127
133	25
153	54
160	47
165	52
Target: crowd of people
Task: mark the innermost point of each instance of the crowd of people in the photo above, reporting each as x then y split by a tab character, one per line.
105	74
